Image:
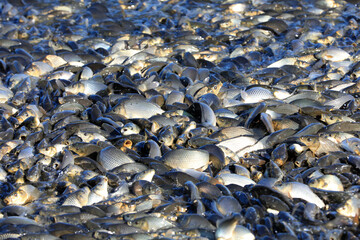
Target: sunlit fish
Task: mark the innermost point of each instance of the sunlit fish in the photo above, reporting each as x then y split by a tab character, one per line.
137	108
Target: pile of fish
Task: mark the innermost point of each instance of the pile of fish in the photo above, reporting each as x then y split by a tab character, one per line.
178	119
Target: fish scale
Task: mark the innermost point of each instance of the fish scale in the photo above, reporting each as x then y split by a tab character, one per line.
186	158
111	157
256	94
136	108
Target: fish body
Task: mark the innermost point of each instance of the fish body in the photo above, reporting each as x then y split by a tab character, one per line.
111	157
99	192
151	223
300	190
327	182
319	145
137	108
186	158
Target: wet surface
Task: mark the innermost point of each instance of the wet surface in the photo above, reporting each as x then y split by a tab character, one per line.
179	119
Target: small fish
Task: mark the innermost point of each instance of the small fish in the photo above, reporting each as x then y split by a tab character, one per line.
30	111
231	178
333	54
167	135
88	136
337	137
225	227
78	198
280	155
111	157
255	95
186	158
300	190
130	128
334	118
145	175
351	145
38	69
137	108
24	194
319	145
87	87
52	151
351	208
151	223
327	182
226	205
99	192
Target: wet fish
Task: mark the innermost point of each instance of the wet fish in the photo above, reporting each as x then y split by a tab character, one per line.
151	224
327	182
24	194
111	157
300	190
186	158
137	108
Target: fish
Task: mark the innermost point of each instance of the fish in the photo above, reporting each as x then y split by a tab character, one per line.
78	198
151	223
137	108
111	157
327	182
319	145
226	227
186	158
351	145
300	190
22	195
99	192
87	87
179	119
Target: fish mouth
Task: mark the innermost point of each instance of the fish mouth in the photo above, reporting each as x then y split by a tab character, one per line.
7	201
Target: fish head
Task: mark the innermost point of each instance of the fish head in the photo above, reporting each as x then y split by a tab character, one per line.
167	138
75	88
49	151
330	119
130	128
349	209
311	141
140	223
317	183
25	114
215	88
16	198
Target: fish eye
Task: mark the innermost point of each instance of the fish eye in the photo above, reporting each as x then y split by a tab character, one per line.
331	118
308	139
